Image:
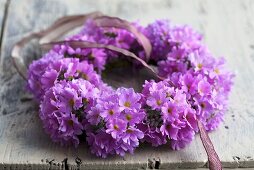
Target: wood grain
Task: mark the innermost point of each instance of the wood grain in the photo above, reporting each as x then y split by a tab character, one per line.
228	29
2	18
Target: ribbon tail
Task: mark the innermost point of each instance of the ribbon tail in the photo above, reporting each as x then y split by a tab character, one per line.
213	158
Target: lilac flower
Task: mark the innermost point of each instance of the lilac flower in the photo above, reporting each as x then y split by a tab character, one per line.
88	92
133	117
180	98
132	135
97	57
185	37
86	71
213	119
111	110
169	130
93	115
201	59
48	79
185	136
70	125
190	118
169	111
101	144
68	98
204	88
36	69
218	69
128	99
156	100
152	135
122	147
204	105
188	83
147	87
124	39
116	127
167	67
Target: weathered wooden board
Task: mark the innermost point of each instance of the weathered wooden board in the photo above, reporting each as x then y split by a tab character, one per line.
2	12
2	7
228	30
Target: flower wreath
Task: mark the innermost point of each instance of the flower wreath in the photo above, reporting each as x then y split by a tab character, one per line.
190	94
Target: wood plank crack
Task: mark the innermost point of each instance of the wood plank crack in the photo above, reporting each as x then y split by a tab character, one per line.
3	24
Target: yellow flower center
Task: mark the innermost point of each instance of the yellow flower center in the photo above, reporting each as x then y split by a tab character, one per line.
116	127
127	104
129	131
84	76
200	65
202	105
169	110
71	102
217	71
158	102
70	78
111	112
91	57
85	100
77	55
168	94
70	123
128	117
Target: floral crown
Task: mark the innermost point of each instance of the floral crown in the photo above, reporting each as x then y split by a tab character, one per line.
189	95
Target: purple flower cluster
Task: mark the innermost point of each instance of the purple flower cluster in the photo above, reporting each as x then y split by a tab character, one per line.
164	37
110	36
193	69
66	89
36	70
168	115
112	123
96	57
53	67
63	108
199	79
75	102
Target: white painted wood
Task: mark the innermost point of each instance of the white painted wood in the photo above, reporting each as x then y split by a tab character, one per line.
2	7
228	29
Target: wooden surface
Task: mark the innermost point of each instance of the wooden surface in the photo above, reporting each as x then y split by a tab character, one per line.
2	20
228	28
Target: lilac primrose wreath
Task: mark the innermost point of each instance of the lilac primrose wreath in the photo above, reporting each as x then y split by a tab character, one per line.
75	102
